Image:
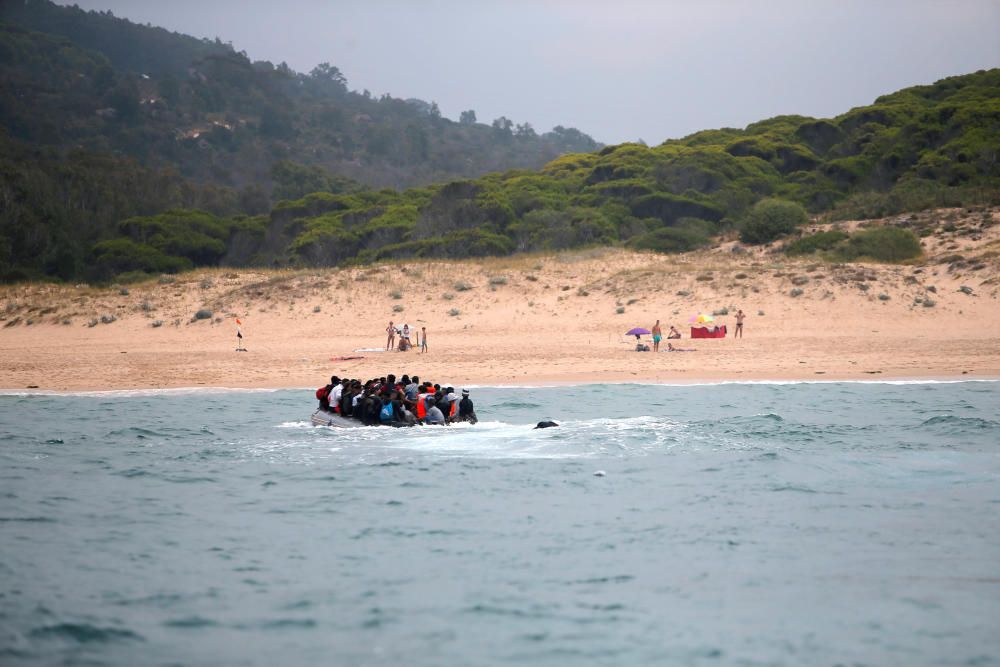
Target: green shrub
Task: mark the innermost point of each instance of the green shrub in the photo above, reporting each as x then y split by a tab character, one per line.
669	240
884	244
770	219
132	277
808	245
198	236
670	208
124	255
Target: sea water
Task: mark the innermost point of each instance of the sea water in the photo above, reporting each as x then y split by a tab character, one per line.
737	524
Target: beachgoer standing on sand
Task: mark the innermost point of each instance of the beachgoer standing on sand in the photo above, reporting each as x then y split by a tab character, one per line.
423	339
739	323
391	332
657	336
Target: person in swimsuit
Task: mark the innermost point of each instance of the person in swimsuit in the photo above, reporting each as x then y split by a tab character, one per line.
657	336
674	333
423	340
739	323
391	333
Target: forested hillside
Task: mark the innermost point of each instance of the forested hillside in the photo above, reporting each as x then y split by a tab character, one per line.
922	147
105	172
91	80
104	119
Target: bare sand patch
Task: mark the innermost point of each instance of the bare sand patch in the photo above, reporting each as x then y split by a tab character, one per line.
536	319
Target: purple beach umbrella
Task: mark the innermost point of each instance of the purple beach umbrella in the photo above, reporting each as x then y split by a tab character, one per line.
636	331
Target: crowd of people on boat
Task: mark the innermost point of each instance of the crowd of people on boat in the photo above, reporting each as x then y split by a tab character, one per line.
391	402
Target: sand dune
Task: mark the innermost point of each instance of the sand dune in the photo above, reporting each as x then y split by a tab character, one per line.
555	318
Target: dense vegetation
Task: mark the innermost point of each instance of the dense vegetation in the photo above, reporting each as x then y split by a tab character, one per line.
770	219
881	244
71	213
925	146
97	82
104	119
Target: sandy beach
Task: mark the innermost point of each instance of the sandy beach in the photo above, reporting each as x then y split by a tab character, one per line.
545	319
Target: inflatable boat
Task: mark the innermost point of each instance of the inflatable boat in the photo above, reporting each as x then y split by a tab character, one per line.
332	419
324	418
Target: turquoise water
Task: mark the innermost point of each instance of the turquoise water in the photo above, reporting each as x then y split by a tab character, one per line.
736	524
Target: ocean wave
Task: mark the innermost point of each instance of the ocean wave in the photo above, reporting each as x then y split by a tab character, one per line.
190	622
959	424
84	633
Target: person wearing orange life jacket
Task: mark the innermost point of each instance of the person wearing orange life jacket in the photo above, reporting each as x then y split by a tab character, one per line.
422	402
428	394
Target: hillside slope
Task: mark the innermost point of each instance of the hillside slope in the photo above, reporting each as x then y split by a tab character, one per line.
918	148
139	164
103	119
93	81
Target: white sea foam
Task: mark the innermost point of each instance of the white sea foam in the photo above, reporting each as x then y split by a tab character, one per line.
296	424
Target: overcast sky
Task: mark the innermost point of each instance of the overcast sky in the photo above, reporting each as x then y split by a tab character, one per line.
619	70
